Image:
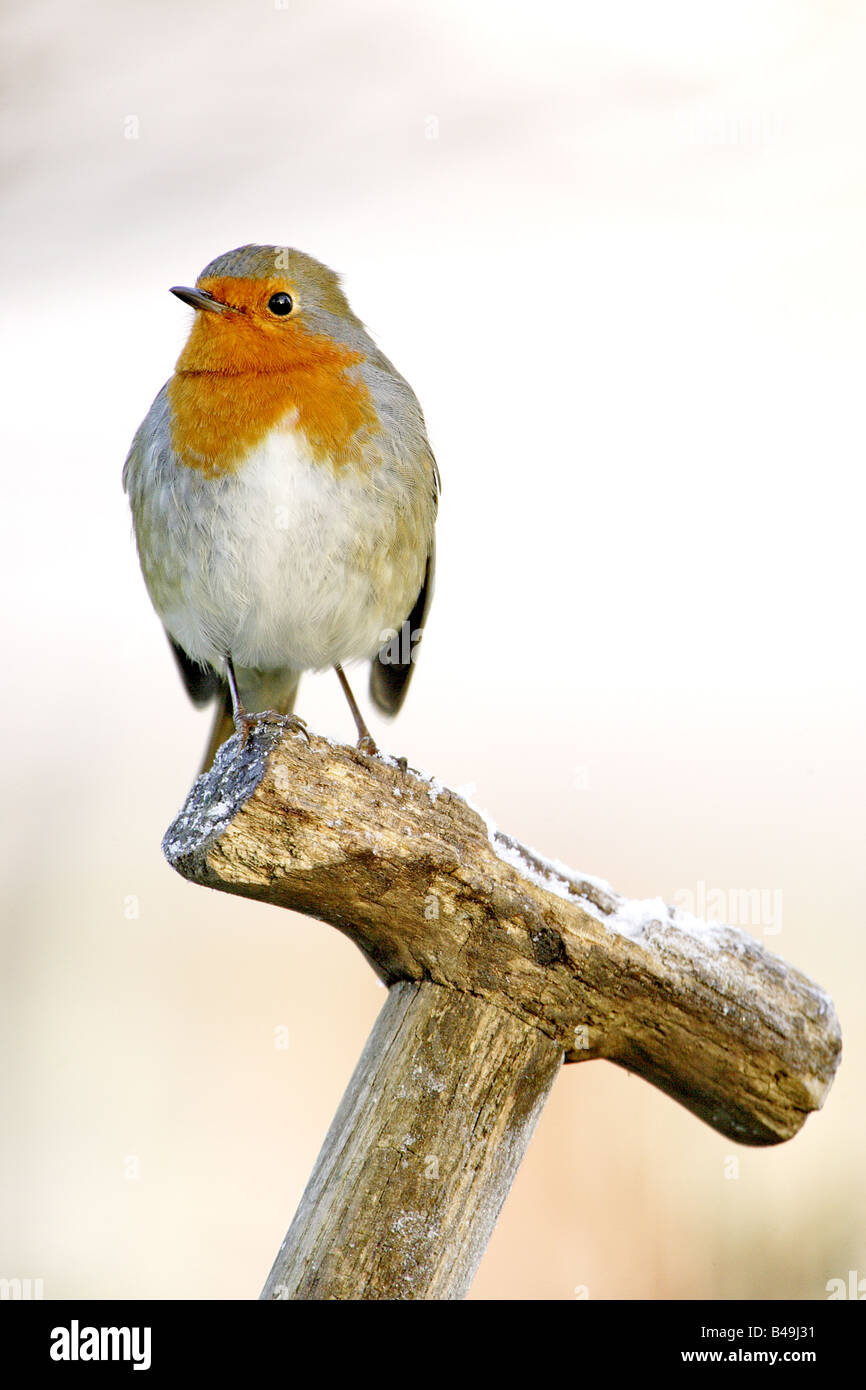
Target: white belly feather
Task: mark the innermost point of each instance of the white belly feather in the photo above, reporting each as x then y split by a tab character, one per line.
285	563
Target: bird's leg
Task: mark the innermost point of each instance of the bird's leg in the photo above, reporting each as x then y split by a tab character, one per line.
239	714
244	722
366	742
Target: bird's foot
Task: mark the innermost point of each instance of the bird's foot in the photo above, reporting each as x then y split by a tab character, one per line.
245	723
368	745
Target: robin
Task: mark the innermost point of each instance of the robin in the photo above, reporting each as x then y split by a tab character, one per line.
283	496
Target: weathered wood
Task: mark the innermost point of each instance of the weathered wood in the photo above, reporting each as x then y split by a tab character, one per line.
421	1154
430	892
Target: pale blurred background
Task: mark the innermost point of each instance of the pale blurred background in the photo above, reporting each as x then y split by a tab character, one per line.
618	251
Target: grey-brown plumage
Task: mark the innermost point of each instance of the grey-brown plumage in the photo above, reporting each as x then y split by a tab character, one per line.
284	494
391	669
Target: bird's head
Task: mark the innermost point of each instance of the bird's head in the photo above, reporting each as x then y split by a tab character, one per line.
264	309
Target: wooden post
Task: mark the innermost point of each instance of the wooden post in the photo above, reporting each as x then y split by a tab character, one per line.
500	965
421	1153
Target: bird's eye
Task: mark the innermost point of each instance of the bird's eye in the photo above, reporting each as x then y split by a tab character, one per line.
280	304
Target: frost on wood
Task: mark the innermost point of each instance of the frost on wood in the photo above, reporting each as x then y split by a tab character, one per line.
431	891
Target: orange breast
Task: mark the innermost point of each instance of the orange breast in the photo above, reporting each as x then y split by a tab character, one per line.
240	376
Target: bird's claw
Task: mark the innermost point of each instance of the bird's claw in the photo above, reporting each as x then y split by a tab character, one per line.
245	723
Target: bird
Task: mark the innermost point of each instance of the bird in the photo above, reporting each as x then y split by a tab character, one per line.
284	497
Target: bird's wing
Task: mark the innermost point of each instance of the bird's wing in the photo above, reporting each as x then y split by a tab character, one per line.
389	677
149	464
202	682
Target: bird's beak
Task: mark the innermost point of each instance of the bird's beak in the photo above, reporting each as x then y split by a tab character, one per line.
198	299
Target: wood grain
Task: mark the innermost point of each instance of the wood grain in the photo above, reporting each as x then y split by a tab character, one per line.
430	892
421	1154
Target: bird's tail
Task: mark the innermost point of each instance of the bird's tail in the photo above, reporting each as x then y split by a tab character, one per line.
256	700
223	728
